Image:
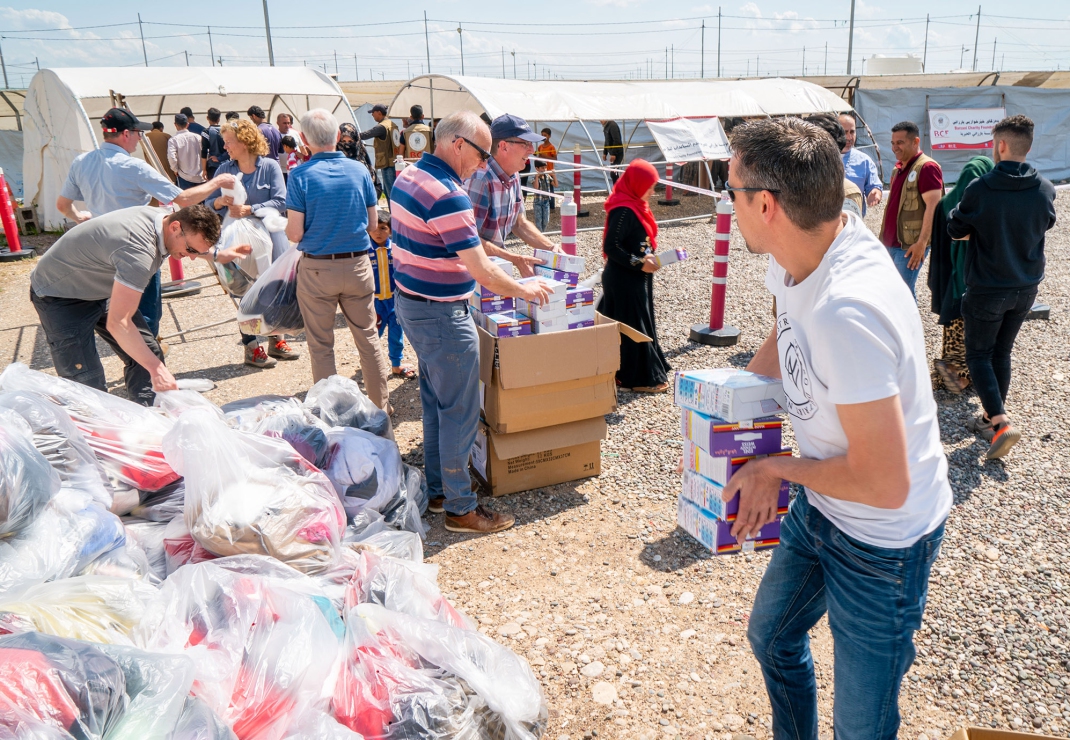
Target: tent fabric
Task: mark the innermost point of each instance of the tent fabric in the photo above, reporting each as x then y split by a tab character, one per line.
63	109
567	100
1048	107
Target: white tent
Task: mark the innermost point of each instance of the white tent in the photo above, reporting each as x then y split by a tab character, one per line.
63	109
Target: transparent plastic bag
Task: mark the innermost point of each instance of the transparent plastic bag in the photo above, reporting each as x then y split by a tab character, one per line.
175	403
402	586
240	275
317	725
365	470
57	438
264	638
406	509
163	505
156	687
339	402
250	494
27	481
148	537
199	722
125	437
502	678
270	305
382	539
284	417
179	547
247	413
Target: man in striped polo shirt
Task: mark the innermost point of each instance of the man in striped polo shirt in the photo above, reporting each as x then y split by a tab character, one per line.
438	256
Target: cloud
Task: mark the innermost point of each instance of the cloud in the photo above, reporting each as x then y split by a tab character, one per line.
20	20
615	3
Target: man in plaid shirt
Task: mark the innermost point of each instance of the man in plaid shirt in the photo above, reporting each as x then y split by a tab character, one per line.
497	200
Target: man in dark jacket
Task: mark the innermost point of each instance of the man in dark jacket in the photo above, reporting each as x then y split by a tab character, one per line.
613	148
1005	215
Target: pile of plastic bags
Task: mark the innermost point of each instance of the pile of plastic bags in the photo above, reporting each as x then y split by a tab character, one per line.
253	571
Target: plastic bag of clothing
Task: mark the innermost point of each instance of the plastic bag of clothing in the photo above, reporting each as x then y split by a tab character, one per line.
156	688
163	505
174	403
284	417
27	481
179	547
92	608
125	437
406	509
248	230
366	470
270	305
246	413
403	545
317	725
148	537
264	639
126	561
402	586
502	678
251	494
199	722
339	402
57	438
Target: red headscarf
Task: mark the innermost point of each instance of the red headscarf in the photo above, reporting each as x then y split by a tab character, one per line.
630	192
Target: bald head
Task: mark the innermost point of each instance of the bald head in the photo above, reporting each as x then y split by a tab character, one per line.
848	122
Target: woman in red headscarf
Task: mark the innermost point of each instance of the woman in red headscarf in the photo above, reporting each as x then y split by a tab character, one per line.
628	244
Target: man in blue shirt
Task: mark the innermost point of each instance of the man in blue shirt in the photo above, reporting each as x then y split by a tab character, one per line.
331	206
858	167
109	179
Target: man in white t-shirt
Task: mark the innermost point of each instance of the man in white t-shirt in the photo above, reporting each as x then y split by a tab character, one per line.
848	343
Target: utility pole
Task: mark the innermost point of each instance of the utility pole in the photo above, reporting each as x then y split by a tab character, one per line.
666	62
211	48
976	38
220	61
702	59
267	31
356	68
672	47
826	57
460	35
993	55
336	61
427	44
925	52
187	57
962	55
804	61
140	28
513	52
718	40
503	62
851	38
4	67
757	59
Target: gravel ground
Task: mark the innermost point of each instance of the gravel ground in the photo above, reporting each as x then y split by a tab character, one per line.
635	630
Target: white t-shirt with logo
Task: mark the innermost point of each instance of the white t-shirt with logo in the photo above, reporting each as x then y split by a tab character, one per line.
850	333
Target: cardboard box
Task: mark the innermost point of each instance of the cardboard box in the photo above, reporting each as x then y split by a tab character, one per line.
725	439
535	312
560	260
494	304
583	312
578	296
706	493
507	324
547	326
509	463
557	288
569	278
549	379
716	535
986	733
719	469
670	256
729	394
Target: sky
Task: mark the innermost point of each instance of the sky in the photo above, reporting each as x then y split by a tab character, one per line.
551	39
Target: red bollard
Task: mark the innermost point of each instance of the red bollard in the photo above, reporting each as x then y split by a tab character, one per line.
717	334
568	226
11	225
177	272
577	174
669	200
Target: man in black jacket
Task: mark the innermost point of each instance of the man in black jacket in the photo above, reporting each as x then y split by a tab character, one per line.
1005	215
613	147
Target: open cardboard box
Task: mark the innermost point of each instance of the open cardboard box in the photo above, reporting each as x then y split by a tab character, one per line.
987	733
544	380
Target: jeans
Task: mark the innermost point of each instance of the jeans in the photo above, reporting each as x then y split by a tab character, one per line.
991	321
874	597
69	324
542	213
389	175
910	277
151	305
444	338
387	315
186	184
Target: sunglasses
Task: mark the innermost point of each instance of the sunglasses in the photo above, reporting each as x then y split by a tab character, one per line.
484	155
732	191
189	250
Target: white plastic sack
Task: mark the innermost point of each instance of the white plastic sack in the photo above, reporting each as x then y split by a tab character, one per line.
148	537
365	470
27	481
339	402
235	276
270	306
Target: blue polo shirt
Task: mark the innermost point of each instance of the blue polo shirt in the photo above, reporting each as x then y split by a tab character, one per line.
862	171
335	194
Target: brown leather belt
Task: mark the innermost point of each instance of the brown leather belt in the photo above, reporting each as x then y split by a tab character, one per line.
342	256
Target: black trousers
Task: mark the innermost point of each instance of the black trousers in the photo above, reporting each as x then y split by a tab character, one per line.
69	325
991	321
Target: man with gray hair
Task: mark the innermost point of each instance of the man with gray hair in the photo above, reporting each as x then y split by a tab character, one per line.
859	542
438	256
331	204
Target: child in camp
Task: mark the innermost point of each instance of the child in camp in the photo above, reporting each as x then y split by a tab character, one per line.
385	288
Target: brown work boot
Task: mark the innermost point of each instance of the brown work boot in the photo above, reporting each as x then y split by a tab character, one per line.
280	350
480	520
436	505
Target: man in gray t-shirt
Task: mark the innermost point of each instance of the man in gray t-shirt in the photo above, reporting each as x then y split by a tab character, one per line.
91	280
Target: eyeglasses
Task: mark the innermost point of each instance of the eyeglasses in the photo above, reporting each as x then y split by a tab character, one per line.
732	191
189	250
520	141
484	155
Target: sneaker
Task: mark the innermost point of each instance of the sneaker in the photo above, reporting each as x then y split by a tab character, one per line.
1004	437
480	520
281	350
436	505
258	357
981	426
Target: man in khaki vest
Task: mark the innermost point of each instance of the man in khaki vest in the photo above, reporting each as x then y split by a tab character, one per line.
383	135
417	135
917	186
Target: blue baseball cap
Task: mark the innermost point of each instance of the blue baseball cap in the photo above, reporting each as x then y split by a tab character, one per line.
507	126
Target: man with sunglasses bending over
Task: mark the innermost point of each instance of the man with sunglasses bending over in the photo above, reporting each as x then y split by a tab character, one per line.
92	278
498	202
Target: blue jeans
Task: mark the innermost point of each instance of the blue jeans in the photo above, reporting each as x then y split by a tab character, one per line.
444	338
874	597
389	175
542	213
910	277
186	184
388	319
151	305
991	321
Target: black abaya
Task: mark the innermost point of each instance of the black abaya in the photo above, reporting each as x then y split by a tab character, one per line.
628	297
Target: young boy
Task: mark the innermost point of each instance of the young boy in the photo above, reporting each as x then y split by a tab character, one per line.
542	203
293	154
546	150
385	287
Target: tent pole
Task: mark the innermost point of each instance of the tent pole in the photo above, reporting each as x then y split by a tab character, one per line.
598	155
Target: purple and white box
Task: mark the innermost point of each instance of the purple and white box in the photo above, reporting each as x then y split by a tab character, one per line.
507	324
569	278
497	304
716	535
670	256
709	495
548	326
718	469
557	288
577	314
579	296
729	394
726	439
560	260
535	312
583	324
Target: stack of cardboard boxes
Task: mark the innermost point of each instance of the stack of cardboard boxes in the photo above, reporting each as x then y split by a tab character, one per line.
726	417
545	387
